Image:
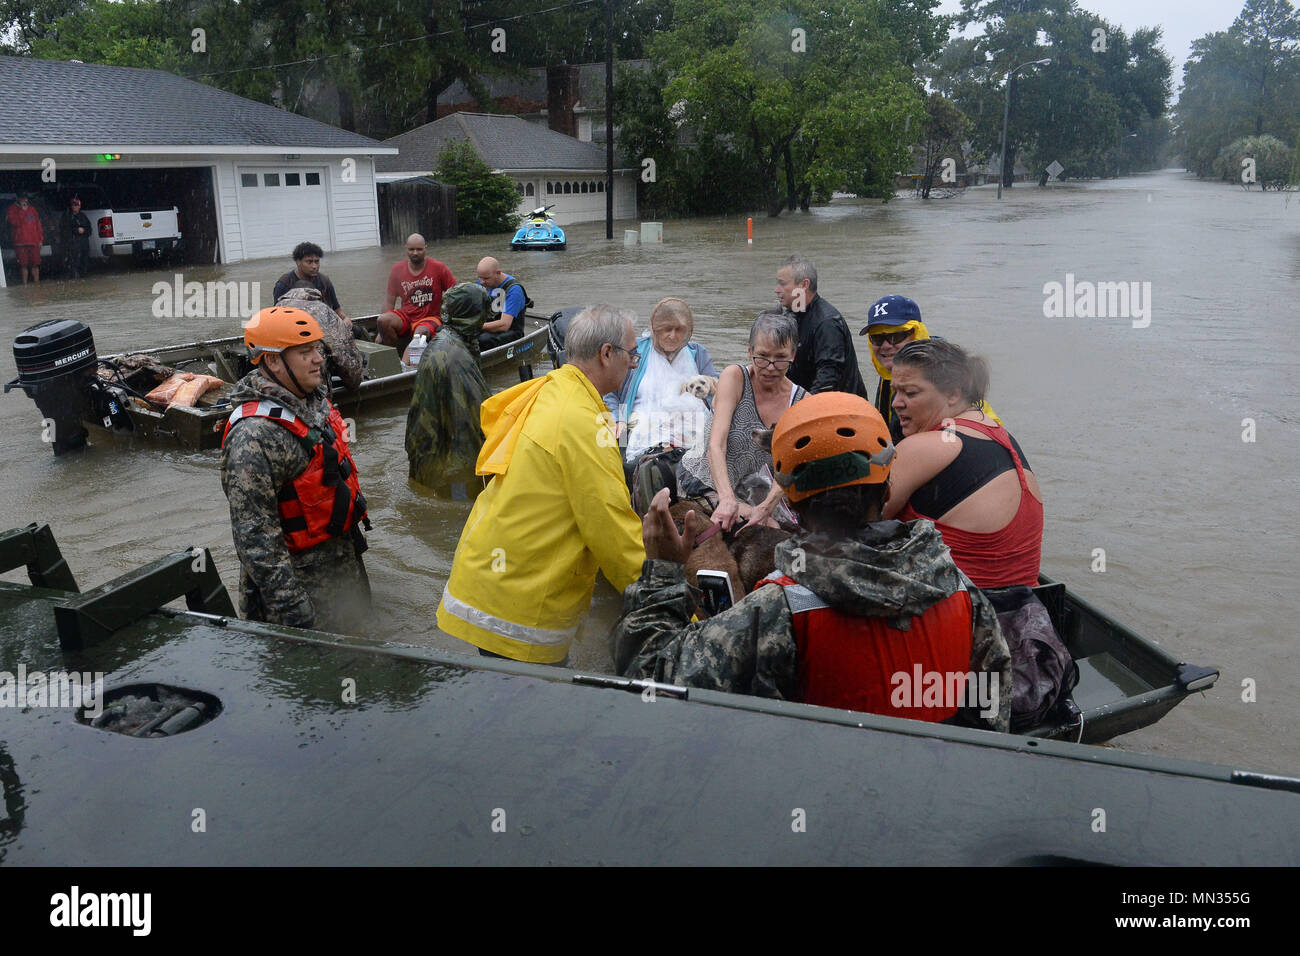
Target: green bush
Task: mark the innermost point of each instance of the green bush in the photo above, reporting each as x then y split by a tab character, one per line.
1272	160
485	201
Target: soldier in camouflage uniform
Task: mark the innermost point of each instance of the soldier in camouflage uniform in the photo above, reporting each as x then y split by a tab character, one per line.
443	432
341	355
263	467
847	563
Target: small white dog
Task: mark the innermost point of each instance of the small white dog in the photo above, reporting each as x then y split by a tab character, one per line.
701	386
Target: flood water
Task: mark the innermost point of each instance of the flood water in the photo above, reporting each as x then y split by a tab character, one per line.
1135	433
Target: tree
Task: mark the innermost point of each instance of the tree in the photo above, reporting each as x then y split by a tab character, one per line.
945	125
1241	82
126	33
1100	87
794	100
485	201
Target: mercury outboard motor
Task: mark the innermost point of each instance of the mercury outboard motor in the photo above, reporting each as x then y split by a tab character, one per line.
56	368
558	326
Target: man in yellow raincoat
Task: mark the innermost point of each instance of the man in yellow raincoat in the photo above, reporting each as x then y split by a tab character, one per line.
556	509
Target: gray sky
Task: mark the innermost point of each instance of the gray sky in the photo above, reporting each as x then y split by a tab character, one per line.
1183	20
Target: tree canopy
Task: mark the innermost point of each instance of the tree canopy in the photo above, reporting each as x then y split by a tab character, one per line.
1244	81
1102	86
786	99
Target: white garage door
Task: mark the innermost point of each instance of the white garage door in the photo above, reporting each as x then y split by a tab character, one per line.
576	198
280	208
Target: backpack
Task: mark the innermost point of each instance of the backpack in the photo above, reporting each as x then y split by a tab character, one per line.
1043	674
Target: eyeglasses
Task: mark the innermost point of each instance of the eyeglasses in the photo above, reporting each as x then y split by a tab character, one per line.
633	356
893	338
779	364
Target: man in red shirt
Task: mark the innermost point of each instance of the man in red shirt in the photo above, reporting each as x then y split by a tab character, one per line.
414	298
27	235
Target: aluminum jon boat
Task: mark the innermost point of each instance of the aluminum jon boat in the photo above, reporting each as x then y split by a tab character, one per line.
289	741
78	390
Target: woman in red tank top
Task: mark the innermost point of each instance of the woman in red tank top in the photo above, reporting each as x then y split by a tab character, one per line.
983	499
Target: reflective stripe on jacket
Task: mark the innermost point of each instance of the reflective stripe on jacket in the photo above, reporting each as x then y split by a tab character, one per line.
325	501
555	512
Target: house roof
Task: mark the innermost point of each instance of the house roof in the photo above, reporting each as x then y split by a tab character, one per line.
507	143
61	103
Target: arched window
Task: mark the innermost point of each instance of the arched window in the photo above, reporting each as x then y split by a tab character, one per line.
568	188
550	187
528	190
584	187
600	186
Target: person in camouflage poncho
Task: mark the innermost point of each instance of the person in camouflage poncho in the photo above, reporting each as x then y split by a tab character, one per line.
341	354
878	569
443	432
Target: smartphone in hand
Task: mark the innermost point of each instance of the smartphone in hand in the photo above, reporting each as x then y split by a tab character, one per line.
715	587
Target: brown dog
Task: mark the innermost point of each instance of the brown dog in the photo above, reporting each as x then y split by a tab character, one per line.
745	556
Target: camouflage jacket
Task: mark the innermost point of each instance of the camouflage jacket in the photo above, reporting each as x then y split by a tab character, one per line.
890	569
340	347
443	432
323	587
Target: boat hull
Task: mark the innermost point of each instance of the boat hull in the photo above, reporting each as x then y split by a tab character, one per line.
446	758
200	428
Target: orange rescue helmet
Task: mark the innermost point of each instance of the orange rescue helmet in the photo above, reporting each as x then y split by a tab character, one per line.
279	328
830	440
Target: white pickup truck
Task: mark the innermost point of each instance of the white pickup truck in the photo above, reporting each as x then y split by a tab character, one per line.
116	231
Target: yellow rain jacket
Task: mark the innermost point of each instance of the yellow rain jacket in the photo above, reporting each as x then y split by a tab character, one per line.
885	390
556	510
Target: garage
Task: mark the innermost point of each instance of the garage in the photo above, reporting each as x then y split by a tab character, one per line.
188	189
149	140
548	168
281	205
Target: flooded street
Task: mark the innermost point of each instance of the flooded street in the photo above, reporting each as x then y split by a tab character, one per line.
1134	430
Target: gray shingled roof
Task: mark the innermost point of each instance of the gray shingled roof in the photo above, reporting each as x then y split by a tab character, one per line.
507	143
57	102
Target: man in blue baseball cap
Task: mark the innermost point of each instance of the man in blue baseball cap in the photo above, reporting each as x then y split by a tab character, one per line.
893	321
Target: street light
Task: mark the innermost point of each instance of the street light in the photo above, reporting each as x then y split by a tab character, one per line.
1002	167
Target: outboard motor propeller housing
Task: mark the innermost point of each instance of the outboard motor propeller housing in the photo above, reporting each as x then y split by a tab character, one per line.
56	365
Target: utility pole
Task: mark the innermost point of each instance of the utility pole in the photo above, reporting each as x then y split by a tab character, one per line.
1002	170
609	119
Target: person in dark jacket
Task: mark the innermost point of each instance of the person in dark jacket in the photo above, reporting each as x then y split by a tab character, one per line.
824	360
74	236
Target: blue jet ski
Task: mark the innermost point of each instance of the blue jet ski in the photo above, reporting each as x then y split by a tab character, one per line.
539	231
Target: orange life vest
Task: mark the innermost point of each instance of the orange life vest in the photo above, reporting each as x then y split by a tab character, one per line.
325	501
863	664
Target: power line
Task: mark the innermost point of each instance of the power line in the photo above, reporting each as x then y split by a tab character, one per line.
382	46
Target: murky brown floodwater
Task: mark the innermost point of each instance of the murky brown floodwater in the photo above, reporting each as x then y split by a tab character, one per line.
1134	433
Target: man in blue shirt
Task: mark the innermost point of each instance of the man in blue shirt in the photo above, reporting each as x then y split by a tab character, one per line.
509	300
